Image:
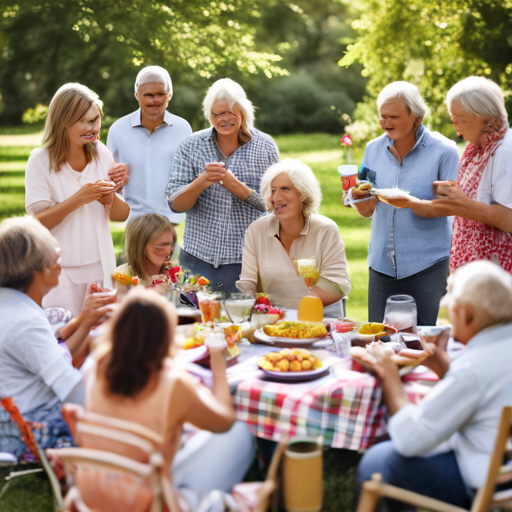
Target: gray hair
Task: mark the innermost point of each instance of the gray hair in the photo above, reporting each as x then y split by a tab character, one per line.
303	179
408	94
486	288
154	74
478	96
26	246
232	93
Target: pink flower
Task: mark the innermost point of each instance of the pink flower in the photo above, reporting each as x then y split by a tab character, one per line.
346	140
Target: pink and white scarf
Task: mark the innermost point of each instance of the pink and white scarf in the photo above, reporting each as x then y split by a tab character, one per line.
472	240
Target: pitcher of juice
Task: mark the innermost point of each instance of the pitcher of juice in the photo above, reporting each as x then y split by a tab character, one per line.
311	308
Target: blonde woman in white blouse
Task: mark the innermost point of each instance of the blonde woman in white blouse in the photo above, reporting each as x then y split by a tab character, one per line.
294	230
68	191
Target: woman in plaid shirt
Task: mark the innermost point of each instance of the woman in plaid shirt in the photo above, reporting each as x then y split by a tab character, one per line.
215	178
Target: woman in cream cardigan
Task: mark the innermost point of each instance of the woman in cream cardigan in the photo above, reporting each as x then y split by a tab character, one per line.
293	231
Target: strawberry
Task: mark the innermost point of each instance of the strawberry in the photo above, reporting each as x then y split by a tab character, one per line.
262	298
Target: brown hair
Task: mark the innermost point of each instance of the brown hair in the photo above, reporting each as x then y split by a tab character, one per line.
69	104
140	231
141	332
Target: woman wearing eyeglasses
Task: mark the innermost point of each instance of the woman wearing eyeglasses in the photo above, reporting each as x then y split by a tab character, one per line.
215	178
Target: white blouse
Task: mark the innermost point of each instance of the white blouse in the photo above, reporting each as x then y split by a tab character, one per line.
84	235
267	267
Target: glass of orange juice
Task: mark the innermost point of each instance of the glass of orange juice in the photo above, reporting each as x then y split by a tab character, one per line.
311	308
209	305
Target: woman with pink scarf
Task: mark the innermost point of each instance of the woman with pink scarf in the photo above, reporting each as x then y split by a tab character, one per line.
481	199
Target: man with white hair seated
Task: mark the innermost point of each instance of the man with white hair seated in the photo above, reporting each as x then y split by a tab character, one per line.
442	446
144	143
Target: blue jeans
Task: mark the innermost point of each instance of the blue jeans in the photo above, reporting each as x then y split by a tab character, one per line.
427	287
222	278
437	476
51	431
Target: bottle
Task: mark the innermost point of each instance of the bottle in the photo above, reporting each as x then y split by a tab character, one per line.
311	309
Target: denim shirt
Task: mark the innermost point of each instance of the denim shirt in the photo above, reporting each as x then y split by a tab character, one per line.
401	242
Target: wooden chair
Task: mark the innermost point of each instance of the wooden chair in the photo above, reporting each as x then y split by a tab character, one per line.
486	497
100	479
38	453
257	496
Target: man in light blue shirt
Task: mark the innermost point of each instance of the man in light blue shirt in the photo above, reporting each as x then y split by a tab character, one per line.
441	447
144	143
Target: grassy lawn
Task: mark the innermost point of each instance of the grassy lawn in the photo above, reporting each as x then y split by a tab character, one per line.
323	154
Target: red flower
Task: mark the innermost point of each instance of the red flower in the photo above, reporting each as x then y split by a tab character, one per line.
346	140
171	272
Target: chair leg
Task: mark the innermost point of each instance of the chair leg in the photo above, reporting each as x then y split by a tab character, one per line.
369	495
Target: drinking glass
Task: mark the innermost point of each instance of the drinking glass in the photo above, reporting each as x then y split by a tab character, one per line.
401	312
209	305
239	307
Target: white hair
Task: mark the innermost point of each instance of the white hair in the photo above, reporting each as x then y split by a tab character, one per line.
155	75
478	96
486	288
408	94
303	179
232	93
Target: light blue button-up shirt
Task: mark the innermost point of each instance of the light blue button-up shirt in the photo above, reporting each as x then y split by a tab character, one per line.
401	242
462	411
150	159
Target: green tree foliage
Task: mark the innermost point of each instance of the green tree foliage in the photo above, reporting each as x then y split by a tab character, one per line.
432	44
317	93
45	43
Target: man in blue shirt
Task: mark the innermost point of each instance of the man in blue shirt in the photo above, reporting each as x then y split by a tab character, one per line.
144	143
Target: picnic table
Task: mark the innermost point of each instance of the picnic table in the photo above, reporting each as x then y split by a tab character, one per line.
344	405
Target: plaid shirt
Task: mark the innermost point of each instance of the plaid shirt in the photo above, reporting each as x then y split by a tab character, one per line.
215	226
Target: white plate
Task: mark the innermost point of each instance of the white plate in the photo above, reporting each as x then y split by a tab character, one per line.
296	376
187	312
285	342
393	193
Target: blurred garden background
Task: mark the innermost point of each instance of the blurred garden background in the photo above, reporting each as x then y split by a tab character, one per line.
312	69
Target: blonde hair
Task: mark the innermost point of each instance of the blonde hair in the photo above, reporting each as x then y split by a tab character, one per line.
233	94
26	246
303	180
69	104
140	231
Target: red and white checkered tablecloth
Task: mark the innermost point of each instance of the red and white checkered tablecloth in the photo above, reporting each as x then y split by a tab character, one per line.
345	407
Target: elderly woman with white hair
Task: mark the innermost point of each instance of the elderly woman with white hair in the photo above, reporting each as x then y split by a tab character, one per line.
215	178
408	254
481	199
442	446
294	230
35	370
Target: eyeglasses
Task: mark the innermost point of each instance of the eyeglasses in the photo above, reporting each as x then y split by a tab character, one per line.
226	113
